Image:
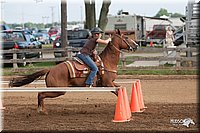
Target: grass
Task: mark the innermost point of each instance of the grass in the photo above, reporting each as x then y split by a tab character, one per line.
128	60
158	72
47	46
8	71
41	65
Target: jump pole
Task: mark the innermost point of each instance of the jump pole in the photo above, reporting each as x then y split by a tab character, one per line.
59	89
120	100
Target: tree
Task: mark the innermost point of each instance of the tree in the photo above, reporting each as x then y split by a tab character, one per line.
177	15
162	12
90	14
103	20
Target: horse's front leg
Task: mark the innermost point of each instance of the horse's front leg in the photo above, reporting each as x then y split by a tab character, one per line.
111	84
116	84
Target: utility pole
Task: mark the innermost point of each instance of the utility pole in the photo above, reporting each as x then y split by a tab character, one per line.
81	14
45	19
2	7
52	14
64	39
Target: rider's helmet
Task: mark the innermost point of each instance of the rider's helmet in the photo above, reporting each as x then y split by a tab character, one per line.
96	30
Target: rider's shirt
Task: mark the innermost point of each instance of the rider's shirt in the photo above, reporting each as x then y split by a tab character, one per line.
89	46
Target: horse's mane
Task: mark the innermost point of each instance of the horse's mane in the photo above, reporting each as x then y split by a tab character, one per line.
108	48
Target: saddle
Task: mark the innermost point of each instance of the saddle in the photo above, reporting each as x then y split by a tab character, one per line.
78	69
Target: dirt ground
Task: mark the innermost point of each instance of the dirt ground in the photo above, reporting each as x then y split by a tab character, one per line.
167	100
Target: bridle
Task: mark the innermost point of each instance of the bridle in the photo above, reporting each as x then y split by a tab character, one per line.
124	40
130	49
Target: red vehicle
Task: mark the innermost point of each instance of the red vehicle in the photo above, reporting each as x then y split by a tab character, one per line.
53	32
158	32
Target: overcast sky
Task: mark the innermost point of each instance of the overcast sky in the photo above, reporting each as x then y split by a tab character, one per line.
18	11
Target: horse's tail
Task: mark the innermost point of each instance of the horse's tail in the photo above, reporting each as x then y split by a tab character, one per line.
20	81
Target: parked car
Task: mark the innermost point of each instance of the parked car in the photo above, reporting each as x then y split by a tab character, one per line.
42	37
53	32
42	31
19	39
76	38
4	27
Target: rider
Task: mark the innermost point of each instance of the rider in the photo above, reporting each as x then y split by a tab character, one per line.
87	51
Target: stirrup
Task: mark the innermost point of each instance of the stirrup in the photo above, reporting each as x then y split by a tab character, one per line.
90	86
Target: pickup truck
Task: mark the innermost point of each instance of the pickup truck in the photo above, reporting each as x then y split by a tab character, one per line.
19	39
76	38
157	35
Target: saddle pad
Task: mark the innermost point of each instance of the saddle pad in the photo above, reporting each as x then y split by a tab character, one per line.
76	69
80	67
78	60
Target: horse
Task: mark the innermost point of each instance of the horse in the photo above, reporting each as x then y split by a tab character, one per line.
59	75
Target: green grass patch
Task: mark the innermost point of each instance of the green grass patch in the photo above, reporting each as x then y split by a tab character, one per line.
30	70
158	72
128	60
47	46
40	64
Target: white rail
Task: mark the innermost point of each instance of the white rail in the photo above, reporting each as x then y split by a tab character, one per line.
59	89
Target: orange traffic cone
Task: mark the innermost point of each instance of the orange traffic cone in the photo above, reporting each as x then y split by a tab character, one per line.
134	105
126	103
140	96
120	112
1	105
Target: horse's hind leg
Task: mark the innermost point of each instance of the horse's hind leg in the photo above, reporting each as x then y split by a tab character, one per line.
42	96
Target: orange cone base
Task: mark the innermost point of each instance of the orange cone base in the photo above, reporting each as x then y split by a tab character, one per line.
121	120
139	111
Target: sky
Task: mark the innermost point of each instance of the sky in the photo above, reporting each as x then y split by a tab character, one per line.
21	11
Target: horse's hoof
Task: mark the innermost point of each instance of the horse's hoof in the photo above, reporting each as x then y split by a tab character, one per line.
42	112
115	92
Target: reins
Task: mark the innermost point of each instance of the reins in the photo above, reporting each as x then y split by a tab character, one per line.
121	42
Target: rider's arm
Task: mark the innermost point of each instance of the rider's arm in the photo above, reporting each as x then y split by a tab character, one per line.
103	41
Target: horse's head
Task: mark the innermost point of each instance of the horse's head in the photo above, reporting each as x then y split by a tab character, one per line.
124	42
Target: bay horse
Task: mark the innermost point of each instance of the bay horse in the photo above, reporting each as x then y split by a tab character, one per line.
58	75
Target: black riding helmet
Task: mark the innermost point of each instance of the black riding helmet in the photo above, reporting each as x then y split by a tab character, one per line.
96	30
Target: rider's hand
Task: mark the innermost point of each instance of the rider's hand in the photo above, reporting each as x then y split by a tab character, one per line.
109	38
95	52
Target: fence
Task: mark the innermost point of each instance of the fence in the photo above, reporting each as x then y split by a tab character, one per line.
178	58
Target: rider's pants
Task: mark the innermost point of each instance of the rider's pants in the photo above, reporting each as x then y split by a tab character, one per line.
94	69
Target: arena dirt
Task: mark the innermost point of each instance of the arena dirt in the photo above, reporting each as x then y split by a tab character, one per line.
167	100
